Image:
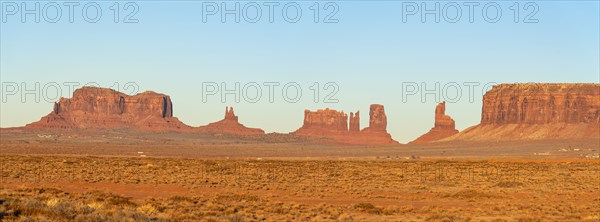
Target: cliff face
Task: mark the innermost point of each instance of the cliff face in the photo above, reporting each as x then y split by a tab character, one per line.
377	119
333	124
92	107
322	122
538	111
229	125
107	102
541	104
442	128
376	133
442	120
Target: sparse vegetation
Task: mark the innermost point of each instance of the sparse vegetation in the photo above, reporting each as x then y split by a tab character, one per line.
368	208
26	205
75	188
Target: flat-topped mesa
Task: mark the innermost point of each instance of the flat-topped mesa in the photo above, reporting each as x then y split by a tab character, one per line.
443	127
229	125
107	102
323	122
333	124
355	122
541	104
92	107
538	111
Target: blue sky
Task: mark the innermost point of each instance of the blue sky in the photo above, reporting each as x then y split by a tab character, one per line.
369	53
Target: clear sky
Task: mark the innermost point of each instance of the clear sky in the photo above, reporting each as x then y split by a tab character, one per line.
370	53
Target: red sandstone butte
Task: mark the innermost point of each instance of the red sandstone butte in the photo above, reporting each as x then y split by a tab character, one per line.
324	123
442	128
377	119
229	125
333	125
98	108
376	133
538	111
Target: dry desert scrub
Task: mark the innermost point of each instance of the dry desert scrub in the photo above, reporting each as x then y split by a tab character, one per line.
39	205
68	188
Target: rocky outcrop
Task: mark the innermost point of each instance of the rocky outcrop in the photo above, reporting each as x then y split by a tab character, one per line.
355	122
541	104
538	111
92	107
229	115
377	119
229	125
332	124
443	127
376	133
323	122
100	108
442	120
510	112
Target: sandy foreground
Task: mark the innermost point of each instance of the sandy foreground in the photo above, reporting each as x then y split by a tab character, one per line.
113	177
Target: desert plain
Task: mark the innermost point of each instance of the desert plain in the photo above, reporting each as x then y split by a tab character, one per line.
120	175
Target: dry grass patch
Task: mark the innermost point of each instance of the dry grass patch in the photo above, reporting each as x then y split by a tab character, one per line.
470	194
368	208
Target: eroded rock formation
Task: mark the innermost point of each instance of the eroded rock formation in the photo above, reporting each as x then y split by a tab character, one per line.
376	133
538	111
355	122
441	119
229	115
541	104
333	124
510	112
92	107
443	127
229	125
323	122
100	108
377	119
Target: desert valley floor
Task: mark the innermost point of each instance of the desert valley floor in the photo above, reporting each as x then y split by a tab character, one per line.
120	175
